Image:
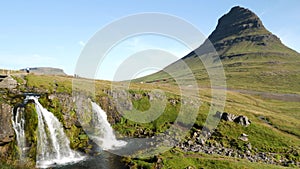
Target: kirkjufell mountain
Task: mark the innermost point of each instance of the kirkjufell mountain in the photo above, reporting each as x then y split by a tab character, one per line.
247	51
241	32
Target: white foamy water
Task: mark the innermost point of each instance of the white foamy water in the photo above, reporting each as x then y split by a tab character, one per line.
18	121
104	135
53	145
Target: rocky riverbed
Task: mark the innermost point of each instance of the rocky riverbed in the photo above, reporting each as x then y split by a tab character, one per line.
198	143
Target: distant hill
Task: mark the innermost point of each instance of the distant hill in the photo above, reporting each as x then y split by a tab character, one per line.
252	57
45	70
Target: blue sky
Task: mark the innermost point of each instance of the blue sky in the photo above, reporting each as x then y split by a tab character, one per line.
53	33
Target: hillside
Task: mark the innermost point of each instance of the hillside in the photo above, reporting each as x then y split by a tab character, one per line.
253	58
258	128
262	77
273	137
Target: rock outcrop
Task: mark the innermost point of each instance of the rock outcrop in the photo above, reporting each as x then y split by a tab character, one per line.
197	144
242	120
8	82
238	21
45	71
6	129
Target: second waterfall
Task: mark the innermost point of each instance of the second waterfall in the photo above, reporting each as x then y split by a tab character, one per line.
53	145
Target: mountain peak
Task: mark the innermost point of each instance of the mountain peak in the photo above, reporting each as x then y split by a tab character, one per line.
237	21
240	32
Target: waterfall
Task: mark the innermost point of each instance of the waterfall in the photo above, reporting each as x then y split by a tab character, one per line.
103	134
53	146
18	121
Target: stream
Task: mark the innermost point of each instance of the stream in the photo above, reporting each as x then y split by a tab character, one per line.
105	160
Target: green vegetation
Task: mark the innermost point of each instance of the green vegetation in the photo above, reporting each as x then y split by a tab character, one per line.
177	159
264	65
60	84
280	135
272	73
31	129
8	166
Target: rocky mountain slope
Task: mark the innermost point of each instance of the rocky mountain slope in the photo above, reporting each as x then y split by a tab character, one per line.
249	53
240	32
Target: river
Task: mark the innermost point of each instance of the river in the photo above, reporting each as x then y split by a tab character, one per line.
104	161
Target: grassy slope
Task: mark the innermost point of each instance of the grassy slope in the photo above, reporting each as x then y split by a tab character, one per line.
177	160
280	136
279	74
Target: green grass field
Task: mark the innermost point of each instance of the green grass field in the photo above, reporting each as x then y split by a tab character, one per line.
279	134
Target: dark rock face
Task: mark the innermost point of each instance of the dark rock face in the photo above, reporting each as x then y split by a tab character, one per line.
107	105
260	40
239	20
6	129
239	26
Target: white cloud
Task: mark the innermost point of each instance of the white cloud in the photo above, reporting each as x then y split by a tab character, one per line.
81	43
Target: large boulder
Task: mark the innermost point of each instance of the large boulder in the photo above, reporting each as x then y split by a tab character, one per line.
242	120
6	129
8	82
228	117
